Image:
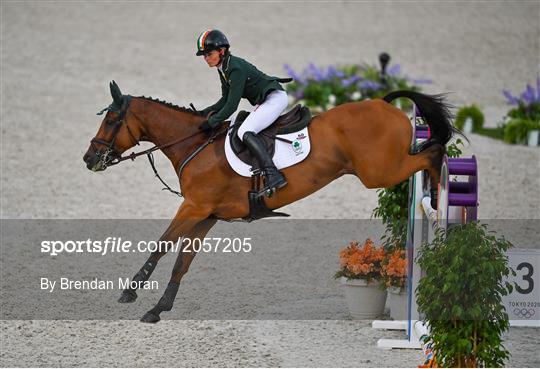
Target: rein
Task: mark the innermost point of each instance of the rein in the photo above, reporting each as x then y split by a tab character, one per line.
184	163
134	155
110	149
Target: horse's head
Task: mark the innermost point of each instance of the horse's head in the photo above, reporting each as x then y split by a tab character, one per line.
114	135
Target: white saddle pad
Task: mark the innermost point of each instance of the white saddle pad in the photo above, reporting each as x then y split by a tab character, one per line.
285	154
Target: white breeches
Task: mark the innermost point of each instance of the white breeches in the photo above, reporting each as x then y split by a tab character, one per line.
264	114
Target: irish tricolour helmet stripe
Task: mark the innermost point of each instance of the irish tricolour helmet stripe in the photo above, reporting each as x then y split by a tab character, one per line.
200	41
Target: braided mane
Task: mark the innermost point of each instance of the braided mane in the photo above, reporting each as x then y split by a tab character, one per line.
170	105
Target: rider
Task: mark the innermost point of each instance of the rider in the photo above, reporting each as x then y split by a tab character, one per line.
241	79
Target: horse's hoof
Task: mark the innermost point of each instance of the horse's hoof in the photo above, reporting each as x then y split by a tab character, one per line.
127	296
150	318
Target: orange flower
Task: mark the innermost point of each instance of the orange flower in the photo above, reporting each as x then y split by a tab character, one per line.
394	269
361	262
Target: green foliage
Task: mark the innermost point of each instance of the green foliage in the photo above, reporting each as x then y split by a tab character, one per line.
395	234
393	203
392	209
453	149
515	130
526	111
460	296
473	112
350	276
496	133
525	117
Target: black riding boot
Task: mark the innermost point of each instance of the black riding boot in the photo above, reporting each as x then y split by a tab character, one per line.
273	179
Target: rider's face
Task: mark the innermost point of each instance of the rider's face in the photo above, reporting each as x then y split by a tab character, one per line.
212	58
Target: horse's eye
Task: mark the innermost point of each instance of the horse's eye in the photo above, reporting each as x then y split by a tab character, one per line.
110	122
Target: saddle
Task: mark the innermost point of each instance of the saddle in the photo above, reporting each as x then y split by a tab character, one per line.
294	120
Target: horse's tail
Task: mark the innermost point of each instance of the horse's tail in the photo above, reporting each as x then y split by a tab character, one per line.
436	112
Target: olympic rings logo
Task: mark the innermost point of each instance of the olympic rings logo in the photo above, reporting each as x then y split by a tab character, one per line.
524	313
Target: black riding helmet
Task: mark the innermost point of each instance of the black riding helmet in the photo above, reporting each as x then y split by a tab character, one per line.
211	40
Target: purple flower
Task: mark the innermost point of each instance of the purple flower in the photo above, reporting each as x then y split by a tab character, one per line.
538	88
349	81
299	94
291	73
315	72
394	70
512	100
331	72
529	95
369	85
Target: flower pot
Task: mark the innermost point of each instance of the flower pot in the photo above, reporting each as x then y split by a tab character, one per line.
532	138
364	300
397	303
468	126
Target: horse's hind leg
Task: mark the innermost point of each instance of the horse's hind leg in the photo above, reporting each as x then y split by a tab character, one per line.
435	154
181	266
402	168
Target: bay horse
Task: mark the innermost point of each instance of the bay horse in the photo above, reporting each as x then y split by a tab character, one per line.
370	139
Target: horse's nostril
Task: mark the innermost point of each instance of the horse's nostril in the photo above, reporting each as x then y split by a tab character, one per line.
86	157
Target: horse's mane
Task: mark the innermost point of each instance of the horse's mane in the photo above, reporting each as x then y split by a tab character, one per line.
170	105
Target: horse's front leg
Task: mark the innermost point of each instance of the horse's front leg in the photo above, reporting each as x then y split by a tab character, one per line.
130	294
181	266
170	234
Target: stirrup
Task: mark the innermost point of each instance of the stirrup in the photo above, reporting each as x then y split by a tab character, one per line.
266	192
269	191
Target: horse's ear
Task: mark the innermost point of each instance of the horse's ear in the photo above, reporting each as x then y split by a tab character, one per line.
115	93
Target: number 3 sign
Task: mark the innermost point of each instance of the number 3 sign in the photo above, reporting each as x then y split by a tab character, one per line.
523	304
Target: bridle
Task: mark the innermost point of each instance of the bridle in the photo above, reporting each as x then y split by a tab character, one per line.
111	156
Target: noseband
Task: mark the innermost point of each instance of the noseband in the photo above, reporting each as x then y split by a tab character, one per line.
110	155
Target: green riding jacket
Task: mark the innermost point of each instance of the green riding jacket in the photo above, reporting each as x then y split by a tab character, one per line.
240	79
